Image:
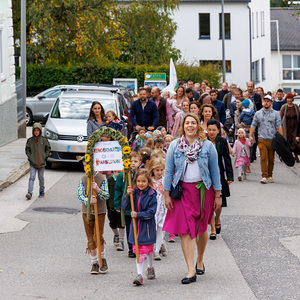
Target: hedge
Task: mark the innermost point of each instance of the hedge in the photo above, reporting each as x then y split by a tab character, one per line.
41	77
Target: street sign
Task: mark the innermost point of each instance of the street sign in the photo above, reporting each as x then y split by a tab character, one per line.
155	76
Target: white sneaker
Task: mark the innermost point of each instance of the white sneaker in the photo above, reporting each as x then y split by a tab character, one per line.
156	256
264	180
271	180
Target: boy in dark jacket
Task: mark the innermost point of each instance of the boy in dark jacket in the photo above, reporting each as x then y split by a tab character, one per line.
37	150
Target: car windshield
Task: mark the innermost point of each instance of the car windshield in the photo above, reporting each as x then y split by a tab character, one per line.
77	108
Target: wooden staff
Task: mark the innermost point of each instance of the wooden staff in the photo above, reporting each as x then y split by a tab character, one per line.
97	226
133	222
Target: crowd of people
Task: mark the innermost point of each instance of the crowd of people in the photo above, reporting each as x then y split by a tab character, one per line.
183	146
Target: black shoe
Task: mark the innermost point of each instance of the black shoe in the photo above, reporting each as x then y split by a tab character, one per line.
212	236
199	271
188	280
218	229
131	254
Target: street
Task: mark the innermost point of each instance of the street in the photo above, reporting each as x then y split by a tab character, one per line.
256	256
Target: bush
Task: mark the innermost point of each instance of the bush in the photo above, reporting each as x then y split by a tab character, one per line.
41	77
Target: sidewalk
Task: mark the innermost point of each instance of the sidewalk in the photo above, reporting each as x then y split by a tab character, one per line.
13	162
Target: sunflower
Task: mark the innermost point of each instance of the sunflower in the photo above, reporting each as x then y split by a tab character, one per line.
126	150
87	158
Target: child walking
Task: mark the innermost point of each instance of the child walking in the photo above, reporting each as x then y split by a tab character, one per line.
145	204
120	191
114	217
241	149
101	188
113	121
157	168
37	150
140	141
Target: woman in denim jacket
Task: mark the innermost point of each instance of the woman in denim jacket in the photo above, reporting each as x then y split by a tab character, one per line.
192	160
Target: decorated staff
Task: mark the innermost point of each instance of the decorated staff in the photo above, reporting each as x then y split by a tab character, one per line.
103	156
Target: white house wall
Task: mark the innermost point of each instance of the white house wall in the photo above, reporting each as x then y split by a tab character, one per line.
8	99
237	49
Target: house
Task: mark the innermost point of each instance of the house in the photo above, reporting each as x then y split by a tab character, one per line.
247	37
286	63
8	98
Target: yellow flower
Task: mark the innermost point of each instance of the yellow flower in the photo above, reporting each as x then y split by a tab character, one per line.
126	140
126	150
126	162
87	173
87	158
88	168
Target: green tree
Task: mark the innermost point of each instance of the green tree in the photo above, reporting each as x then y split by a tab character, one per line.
148	31
280	3
74	31
70	31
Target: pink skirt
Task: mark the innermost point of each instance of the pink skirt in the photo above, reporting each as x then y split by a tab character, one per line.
144	250
242	161
184	218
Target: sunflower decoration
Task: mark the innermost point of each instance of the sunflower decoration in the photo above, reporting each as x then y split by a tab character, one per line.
95	138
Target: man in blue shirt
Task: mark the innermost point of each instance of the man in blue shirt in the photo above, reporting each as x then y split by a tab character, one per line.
144	112
219	105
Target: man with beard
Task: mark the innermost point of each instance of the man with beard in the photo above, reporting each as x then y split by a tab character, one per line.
144	112
164	109
266	122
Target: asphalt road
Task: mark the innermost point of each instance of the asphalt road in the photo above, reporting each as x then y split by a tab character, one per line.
256	256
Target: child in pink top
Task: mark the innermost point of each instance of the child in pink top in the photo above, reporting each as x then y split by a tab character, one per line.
241	149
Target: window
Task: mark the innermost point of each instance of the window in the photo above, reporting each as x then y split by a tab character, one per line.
218	64
262	20
291	67
287	90
257	27
227	26
263	71
255	71
204	26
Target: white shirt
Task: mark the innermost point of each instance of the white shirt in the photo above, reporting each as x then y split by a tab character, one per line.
192	173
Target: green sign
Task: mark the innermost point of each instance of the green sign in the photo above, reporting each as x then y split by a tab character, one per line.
155	76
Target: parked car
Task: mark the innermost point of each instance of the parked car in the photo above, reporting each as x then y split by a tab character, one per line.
297	100
66	127
39	106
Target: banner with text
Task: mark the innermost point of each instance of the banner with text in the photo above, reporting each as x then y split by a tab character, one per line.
108	156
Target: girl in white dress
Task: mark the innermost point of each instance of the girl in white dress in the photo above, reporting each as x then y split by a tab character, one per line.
157	169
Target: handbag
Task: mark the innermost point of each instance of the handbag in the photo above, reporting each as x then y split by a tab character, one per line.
176	191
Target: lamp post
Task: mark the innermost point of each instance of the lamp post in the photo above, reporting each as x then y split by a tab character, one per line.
23	54
223	44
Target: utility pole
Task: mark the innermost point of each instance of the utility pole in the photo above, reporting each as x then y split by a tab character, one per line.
223	43
23	54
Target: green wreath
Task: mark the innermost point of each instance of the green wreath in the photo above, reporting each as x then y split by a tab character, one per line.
95	138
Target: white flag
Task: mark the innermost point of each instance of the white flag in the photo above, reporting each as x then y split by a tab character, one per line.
172	78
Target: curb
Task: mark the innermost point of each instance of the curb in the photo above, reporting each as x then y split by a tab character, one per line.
15	175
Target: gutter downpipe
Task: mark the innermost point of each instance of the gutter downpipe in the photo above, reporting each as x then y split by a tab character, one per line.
250	44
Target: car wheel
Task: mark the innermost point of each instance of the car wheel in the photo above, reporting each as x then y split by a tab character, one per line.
48	165
28	118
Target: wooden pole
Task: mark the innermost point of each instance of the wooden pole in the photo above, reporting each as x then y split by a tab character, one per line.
97	226
133	222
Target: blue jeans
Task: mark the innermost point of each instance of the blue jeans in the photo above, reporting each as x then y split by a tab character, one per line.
127	224
32	178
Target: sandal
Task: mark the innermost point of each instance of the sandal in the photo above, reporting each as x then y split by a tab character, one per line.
218	228
212	236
